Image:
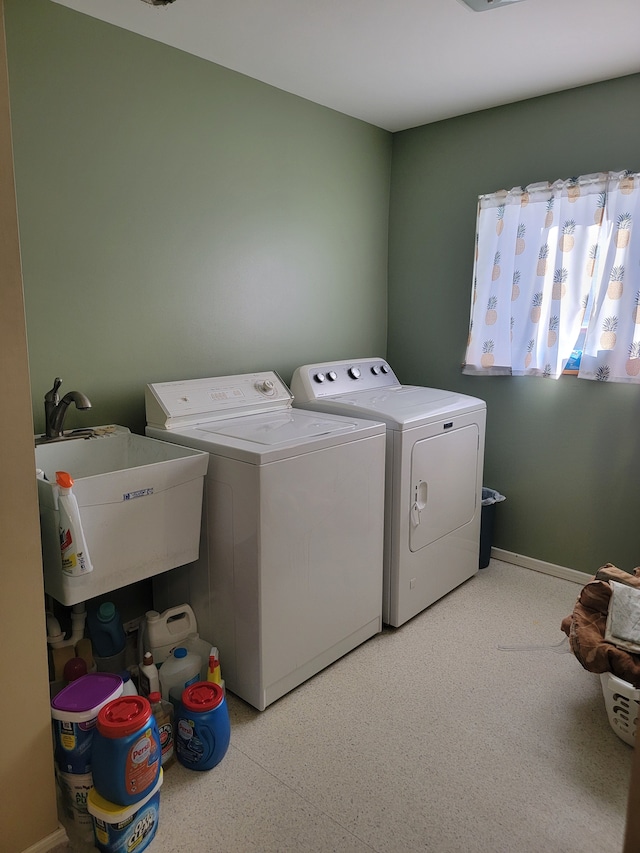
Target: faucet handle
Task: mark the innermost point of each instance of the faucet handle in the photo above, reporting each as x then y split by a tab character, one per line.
52	396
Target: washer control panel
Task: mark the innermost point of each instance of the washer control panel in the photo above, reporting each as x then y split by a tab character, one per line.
331	378
197	401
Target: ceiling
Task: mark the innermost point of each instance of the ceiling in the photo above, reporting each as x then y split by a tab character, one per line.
397	63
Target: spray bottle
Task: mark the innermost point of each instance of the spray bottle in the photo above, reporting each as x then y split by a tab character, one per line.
213	671
73	548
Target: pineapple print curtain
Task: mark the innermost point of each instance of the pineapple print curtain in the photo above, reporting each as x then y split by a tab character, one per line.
540	253
612	346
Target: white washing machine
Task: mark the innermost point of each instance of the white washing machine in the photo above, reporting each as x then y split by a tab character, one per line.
435	457
289	576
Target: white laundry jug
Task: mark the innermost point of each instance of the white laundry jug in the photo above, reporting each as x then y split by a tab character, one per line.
179	670
164	631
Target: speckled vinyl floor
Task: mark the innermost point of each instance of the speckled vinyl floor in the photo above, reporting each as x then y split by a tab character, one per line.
428	738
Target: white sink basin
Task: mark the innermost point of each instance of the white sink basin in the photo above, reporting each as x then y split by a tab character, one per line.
140	504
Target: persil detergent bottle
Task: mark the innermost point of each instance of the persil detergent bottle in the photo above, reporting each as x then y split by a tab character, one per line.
126	750
202	726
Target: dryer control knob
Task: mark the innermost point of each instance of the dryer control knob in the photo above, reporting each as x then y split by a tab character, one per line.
332	376
354	372
319	377
375	370
385	368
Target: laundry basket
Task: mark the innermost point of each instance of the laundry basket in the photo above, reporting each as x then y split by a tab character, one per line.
621	700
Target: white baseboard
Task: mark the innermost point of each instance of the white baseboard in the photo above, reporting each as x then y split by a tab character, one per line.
540	566
52	841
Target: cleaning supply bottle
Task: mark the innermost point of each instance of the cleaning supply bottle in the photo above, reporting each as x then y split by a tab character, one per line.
179	670
125	753
163	712
73	548
148	676
164	632
213	672
202	726
106	630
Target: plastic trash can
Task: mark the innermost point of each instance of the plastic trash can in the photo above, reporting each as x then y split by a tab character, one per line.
489	500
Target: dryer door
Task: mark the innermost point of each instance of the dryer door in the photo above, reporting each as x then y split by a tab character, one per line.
443	484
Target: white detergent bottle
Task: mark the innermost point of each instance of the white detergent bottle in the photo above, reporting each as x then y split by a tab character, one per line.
73	548
179	670
165	631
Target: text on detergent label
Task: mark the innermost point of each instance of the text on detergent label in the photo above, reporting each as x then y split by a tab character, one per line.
185	728
141	830
141	750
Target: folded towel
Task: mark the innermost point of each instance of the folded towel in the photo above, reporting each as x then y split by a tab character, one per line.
623	619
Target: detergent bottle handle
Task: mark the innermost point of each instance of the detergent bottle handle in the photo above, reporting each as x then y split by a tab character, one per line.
177	614
208	739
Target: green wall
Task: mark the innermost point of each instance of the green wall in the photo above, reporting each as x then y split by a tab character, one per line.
565	453
181	220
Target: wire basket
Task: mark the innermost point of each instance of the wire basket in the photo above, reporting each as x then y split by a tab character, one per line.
622	702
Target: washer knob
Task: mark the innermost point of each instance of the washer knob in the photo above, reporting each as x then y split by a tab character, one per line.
267	387
385	368
375	370
354	372
332	376
319	377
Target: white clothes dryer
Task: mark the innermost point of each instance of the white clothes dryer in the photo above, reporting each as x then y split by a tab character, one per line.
434	467
289	576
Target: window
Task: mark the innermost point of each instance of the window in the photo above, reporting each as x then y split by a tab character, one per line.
556	280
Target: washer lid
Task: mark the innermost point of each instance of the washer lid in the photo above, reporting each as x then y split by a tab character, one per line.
277	428
272	436
400	408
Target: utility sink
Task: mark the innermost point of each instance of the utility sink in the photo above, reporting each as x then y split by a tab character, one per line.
140	504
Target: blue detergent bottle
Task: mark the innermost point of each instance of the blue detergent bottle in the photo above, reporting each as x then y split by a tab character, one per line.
202	728
126	752
106	631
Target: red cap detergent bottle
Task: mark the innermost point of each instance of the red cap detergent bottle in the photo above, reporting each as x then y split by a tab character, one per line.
126	751
202	726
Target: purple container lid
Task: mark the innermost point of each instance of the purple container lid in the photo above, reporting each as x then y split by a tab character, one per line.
87	693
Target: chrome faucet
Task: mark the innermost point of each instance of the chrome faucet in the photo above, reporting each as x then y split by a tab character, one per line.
55	409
